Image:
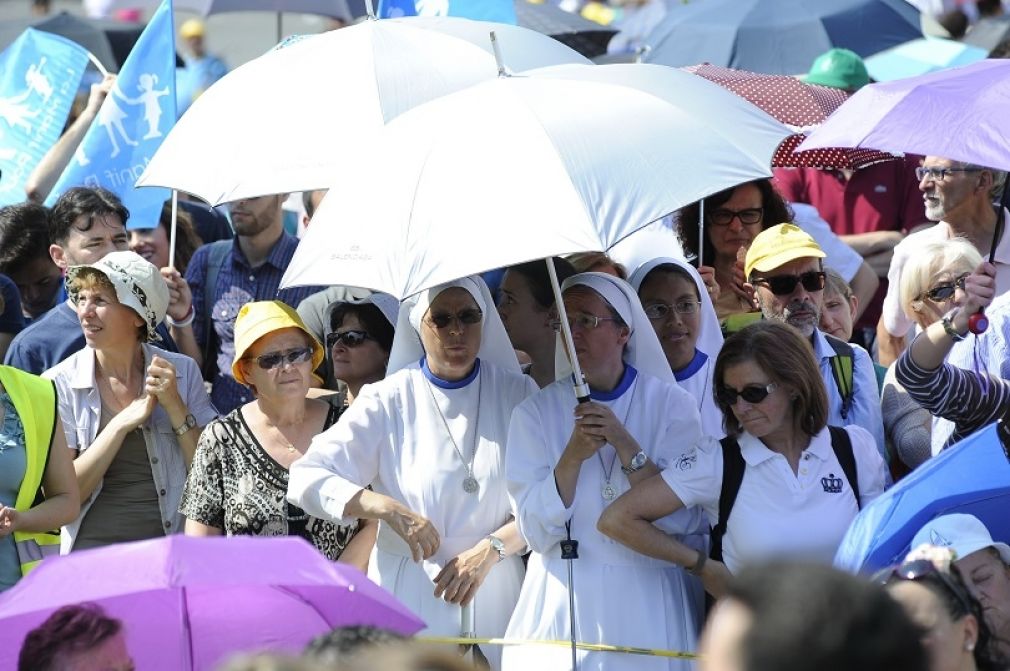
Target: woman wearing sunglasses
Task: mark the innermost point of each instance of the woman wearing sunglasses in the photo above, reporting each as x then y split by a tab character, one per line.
238	482
567	461
954	631
131	411
359	341
430	440
793	496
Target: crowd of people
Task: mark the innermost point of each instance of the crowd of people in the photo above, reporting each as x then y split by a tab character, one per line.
743	406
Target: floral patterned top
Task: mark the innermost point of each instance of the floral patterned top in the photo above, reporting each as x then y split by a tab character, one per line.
236	486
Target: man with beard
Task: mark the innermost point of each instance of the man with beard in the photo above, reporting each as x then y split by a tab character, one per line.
226	275
785	276
959	196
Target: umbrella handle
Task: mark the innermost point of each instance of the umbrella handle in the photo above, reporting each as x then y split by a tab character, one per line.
173	229
978	322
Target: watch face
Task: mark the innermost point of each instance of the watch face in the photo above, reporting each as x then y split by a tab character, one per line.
638	460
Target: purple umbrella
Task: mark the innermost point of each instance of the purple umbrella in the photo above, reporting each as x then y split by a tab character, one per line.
961	114
189	603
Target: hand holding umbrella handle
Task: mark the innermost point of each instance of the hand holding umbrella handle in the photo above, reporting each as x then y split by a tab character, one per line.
978	322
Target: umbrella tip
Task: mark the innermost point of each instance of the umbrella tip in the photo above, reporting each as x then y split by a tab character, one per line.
369	9
641	52
502	70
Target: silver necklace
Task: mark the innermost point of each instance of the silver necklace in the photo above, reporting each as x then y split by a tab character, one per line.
609	492
470	484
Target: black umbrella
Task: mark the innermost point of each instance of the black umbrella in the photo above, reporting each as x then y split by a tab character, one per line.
588	38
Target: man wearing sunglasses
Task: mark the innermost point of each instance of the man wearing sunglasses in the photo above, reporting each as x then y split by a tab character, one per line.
959	197
785	275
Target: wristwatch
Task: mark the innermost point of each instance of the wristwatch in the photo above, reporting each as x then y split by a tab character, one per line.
497	544
636	464
186	426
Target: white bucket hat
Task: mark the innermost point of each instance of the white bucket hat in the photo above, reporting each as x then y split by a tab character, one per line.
139	286
962	533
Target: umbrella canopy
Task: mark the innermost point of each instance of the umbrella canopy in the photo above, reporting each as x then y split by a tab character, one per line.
587	37
970	477
349	82
959	114
989	33
514	169
76	29
188	603
800	106
921	56
778	36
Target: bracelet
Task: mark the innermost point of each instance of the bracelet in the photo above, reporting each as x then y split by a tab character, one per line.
699	565
185	321
948	326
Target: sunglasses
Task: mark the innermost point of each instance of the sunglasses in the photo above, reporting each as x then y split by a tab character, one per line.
924	569
944	291
468	317
724	217
752	393
289	357
784	285
350	339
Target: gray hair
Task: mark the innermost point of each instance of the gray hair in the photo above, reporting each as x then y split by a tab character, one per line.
998	177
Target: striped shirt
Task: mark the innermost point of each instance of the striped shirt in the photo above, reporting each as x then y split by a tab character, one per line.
971	400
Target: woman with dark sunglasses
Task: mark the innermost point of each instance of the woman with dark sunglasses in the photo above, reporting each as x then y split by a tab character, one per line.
954	631
793	499
430	440
238	482
359	342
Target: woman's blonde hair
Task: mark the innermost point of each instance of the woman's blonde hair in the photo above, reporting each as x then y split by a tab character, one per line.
955	256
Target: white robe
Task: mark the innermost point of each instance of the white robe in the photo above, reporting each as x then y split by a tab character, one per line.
621	597
393	438
699	385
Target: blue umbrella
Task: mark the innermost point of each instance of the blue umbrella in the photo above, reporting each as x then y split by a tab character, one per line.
971	477
778	36
921	56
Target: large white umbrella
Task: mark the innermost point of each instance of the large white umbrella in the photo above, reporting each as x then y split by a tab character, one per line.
283	121
558	160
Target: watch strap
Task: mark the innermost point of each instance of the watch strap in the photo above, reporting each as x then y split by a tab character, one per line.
186	425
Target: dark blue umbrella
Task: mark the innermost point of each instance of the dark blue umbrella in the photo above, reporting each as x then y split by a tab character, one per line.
971	477
778	36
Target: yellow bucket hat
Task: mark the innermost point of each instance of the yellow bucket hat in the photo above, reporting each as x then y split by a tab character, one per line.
261	318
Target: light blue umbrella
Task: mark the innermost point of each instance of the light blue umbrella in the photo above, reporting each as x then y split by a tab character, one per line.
971	477
921	56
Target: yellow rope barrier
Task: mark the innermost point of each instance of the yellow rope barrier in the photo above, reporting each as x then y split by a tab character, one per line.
594	647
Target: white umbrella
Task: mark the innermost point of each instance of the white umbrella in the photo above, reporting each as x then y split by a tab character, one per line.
283	121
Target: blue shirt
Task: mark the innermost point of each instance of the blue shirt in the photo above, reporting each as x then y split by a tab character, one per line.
11	319
195	78
237	284
53	337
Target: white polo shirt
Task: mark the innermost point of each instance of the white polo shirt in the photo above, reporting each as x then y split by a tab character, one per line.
777	513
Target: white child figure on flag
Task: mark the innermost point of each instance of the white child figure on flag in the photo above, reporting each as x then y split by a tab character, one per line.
149	99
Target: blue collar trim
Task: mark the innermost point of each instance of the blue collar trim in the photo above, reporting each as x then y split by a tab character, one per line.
690	369
629	376
449	384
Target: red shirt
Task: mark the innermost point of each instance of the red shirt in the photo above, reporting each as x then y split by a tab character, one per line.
882	197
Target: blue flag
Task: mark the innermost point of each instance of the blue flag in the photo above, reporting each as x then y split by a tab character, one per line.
39	75
136	116
499	11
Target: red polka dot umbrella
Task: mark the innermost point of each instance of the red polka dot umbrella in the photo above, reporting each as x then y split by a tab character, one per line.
800	106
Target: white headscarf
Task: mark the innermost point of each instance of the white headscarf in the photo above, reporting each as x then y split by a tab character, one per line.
709	333
495	346
642	351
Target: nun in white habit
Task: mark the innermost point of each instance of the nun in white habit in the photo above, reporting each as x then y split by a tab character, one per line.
566	462
430	440
680	311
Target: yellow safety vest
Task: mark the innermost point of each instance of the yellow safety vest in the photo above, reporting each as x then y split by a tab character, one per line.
35	401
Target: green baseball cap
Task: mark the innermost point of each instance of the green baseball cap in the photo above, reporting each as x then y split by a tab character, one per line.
840	69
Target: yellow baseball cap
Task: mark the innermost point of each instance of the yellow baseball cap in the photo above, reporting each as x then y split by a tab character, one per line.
261	318
778	246
191	28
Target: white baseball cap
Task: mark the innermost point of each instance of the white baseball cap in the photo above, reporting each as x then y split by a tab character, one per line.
962	533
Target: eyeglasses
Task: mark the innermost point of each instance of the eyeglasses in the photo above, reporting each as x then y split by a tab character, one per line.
752	393
748	216
289	357
656	311
351	338
944	291
583	321
783	285
469	317
919	569
939	174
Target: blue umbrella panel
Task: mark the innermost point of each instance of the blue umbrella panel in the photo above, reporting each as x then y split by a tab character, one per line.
970	477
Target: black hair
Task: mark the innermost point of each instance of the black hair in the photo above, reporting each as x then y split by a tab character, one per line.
78	201
370	316
24	235
671	269
537	277
70	630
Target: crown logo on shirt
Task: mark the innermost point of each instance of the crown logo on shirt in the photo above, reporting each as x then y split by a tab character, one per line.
832	484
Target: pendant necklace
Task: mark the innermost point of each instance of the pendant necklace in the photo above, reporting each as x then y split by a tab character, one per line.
470	484
609	492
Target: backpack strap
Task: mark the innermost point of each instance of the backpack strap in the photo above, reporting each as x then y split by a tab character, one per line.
733	467
216	256
841	370
842	446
